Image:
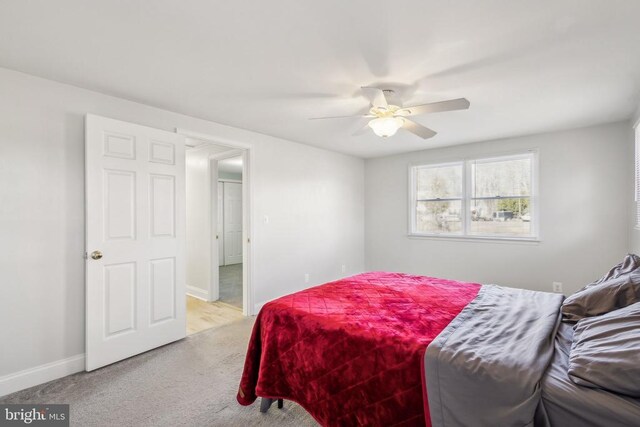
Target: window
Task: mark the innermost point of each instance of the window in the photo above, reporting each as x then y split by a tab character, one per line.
492	197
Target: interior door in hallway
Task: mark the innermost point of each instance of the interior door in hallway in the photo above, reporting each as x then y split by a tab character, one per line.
135	237
232	223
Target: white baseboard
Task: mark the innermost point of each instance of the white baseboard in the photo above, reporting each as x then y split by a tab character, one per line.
198	293
41	374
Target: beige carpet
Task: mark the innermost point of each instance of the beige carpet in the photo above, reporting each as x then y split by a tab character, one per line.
192	382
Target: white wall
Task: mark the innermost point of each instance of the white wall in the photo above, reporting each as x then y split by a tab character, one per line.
314	199
586	178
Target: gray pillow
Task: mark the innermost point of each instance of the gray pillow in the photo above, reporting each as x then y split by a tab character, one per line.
618	288
628	264
605	352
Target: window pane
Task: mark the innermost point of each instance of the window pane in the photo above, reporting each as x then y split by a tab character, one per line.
508	217
440	182
501	178
439	217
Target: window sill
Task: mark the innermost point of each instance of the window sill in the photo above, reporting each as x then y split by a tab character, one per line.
488	239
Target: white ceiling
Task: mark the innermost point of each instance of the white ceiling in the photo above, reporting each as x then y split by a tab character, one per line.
526	66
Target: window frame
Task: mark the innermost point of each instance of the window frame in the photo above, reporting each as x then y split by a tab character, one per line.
467	198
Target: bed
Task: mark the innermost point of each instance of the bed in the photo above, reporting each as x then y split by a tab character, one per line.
567	404
392	349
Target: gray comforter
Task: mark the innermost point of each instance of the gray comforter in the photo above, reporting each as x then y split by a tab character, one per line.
485	368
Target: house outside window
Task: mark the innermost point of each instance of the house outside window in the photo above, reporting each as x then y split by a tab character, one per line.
476	198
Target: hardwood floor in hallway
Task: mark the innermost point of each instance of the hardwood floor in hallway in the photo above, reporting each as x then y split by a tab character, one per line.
203	315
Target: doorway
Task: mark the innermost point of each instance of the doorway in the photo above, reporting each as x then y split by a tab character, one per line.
230	230
137	239
215	247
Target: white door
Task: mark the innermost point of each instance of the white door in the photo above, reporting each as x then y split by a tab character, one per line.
135	208
232	223
220	230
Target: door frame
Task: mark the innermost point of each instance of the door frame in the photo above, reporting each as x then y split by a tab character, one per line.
246	151
214	286
219	209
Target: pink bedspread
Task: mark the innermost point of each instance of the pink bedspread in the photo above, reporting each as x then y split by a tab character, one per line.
351	351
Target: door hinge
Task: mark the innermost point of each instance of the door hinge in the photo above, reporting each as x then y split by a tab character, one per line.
86	255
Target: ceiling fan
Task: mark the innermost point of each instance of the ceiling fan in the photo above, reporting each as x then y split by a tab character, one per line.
387	118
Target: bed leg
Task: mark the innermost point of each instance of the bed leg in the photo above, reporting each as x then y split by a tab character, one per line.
265	404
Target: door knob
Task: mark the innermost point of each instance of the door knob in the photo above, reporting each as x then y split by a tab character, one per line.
96	254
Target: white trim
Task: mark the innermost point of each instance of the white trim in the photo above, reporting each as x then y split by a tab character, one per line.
235	181
198	293
214	139
247	230
248	307
41	374
214	246
229	154
472	238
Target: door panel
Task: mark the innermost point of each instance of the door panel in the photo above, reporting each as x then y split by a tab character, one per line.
163	290
119	145
135	216
163	206
162	152
120	209
120	294
232	223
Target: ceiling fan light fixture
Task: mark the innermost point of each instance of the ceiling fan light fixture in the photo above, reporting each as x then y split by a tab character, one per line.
386	126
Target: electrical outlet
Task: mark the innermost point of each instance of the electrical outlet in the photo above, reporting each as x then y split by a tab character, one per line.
557	287
344	268
306	278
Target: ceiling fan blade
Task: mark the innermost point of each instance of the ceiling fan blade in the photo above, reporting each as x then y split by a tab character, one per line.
436	107
364	129
341	117
375	95
416	129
